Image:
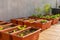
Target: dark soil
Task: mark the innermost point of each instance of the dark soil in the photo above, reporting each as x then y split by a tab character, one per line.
26	32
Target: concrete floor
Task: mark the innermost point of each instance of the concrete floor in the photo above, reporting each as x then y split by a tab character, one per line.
52	33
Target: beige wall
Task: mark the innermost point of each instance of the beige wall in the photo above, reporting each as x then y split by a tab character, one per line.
20	8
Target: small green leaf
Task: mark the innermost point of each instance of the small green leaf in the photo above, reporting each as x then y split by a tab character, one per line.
14	30
1	28
21	34
25	26
34	15
43	21
19	27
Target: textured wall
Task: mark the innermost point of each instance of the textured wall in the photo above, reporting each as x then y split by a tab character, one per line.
20	8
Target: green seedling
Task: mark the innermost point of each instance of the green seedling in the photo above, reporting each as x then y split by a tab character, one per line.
47	16
38	10
24	26
34	15
21	27
53	16
47	8
1	28
58	15
43	21
21	34
14	30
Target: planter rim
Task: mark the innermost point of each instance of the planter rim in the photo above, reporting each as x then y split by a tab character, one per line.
28	21
31	33
7	24
20	31
7	28
54	18
2	22
42	23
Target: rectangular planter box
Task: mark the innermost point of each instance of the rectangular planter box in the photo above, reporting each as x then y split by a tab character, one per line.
36	18
18	21
8	35
28	23
54	21
14	21
5	35
49	24
31	36
21	21
2	22
5	27
43	26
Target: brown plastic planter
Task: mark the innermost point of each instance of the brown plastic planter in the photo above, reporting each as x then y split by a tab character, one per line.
2	22
54	21
18	21
49	24
5	35
32	17
5	28
31	36
59	18
36	18
43	26
7	25
8	35
21	21
28	23
13	21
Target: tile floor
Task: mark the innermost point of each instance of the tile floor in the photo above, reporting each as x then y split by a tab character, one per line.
53	33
